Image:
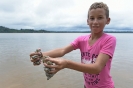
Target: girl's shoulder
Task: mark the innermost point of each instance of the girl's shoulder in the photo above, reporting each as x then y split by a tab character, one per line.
108	36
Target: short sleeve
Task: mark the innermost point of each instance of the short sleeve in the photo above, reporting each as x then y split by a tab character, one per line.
108	47
76	42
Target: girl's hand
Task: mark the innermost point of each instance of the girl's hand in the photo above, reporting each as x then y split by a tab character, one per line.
60	63
35	60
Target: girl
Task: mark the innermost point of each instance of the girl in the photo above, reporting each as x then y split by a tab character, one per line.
96	49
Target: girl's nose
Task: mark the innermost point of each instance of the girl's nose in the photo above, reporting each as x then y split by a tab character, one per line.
95	21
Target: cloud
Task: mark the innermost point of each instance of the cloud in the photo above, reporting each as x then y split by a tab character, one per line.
38	14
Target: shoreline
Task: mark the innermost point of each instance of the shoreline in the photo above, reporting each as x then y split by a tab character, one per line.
72	32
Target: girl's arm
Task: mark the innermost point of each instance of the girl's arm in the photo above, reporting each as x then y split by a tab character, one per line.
54	53
58	52
94	68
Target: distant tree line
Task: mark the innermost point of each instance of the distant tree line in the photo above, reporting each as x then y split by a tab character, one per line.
8	30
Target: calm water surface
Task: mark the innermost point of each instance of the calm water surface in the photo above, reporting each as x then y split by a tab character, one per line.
16	70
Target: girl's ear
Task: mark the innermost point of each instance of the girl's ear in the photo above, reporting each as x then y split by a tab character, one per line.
108	20
87	22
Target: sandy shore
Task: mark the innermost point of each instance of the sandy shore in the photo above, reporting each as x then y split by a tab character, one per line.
26	75
29	76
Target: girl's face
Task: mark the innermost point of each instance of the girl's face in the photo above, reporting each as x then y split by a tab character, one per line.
97	20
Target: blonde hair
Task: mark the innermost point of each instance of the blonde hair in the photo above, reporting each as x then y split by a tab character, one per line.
100	5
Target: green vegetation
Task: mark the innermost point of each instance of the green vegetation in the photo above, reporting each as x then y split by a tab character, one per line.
8	30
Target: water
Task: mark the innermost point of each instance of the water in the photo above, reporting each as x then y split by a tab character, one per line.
16	70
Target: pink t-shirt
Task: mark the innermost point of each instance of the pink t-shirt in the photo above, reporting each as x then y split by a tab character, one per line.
105	44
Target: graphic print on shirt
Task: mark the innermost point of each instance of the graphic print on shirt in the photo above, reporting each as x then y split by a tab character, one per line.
86	58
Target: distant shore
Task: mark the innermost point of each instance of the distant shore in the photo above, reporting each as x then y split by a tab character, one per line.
70	32
8	30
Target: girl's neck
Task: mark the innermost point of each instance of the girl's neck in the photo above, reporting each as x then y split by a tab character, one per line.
95	36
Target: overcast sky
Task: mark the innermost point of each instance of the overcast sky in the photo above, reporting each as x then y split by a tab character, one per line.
39	14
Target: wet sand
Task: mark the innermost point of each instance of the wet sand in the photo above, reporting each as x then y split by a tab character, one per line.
22	74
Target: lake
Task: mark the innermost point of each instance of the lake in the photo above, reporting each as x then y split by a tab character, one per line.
16	70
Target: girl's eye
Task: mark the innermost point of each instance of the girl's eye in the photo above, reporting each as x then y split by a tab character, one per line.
91	18
99	17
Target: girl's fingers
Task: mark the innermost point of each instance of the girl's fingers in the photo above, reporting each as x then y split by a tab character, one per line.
32	54
34	60
54	68
50	66
35	53
54	60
